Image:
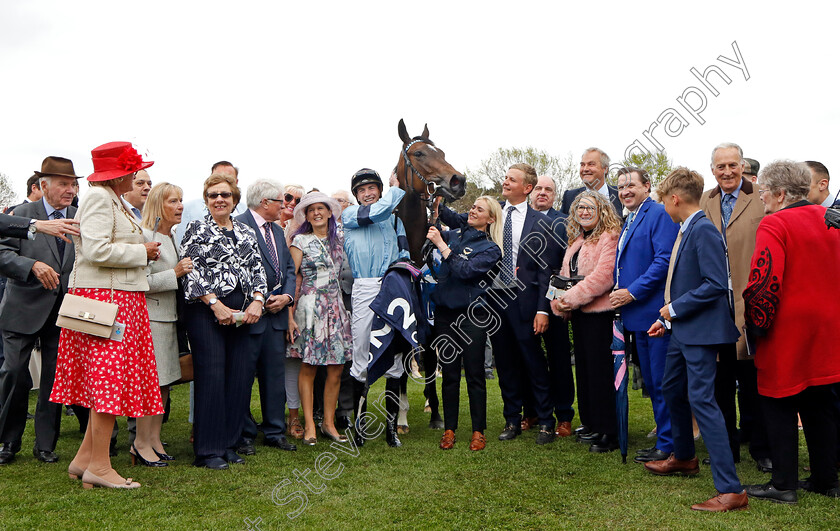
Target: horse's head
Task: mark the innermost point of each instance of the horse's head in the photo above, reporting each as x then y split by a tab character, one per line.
425	168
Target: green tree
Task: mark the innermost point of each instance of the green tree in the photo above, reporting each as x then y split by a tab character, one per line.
657	164
7	194
488	177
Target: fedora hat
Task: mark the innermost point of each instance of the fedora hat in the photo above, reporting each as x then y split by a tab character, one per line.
115	159
316	197
57	167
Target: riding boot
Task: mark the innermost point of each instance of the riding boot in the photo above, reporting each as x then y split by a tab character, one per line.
392	408
359	408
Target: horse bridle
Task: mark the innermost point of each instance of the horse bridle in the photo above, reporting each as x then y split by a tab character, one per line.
430	186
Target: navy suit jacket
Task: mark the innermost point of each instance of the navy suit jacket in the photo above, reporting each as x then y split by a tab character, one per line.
700	287
641	266
539	253
285	279
569	197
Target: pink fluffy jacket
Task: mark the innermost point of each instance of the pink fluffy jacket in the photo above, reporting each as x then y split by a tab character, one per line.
595	262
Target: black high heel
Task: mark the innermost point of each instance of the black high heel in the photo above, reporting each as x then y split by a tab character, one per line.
163	456
135	457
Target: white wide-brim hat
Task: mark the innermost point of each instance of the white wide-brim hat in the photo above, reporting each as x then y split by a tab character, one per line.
316	197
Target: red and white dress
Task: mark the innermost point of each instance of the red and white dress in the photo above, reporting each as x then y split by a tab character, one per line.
118	378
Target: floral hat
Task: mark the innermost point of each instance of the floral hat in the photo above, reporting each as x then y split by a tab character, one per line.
116	159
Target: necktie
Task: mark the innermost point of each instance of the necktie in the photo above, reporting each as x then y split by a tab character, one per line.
137	212
272	253
506	273
630	219
671	268
726	209
59	243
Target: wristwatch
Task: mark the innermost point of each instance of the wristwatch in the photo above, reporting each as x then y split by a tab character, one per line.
32	229
212	301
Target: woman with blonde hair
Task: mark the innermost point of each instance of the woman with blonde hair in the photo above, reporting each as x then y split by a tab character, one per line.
470	252
593	228
161	213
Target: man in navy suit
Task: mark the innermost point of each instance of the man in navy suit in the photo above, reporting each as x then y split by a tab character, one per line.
561	382
268	335
698	306
594	165
641	265
518	297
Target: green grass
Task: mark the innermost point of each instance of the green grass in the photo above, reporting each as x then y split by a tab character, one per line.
512	485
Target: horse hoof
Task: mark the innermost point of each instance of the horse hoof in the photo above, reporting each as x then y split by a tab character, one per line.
427	409
436	424
402	430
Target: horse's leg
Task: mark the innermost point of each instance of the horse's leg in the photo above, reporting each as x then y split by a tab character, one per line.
402	418
430	363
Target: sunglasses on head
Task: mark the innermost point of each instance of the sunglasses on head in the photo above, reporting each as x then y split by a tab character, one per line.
225	195
290	198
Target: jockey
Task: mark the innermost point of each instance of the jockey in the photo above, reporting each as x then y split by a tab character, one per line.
373	239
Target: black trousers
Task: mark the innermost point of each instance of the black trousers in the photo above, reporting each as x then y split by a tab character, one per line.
470	341
594	370
520	361
221	361
814	406
15	383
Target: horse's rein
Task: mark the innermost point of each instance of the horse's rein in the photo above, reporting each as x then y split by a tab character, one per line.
430	186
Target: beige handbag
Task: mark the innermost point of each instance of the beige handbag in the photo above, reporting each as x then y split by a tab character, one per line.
85	315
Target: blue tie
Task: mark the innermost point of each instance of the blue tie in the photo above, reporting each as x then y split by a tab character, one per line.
726	209
630	219
507	246
59	243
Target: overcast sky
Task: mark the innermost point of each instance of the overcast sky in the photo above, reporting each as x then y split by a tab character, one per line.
309	92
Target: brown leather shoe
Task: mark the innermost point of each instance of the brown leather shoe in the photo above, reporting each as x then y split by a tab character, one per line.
721	503
564	429
672	466
448	440
528	423
478	441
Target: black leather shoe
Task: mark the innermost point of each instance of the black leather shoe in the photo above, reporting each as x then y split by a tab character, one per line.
45	456
7	453
213	463
653	455
607	443
764	465
590	437
342	422
280	442
246	447
645	451
546	434
707	461
510	432
233	458
769	492
358	438
391	436
582	430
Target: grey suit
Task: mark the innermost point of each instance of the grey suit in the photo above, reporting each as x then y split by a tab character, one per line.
28	313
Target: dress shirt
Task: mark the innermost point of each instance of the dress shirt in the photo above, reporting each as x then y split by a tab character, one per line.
50	209
683	226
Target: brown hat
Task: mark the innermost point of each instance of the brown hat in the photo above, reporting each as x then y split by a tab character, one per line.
57	166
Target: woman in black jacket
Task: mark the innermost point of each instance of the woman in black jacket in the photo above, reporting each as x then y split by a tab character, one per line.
470	252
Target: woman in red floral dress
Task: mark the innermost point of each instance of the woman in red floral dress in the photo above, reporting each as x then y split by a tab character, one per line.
110	377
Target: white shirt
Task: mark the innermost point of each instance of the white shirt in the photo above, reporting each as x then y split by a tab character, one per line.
518	223
829	200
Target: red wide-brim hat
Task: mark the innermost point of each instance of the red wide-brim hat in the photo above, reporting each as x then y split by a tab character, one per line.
115	159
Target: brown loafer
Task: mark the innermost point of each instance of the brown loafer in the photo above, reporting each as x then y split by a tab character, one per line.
672	466
528	423
448	440
730	501
564	429
478	441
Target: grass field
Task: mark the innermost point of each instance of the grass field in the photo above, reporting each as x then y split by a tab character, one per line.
512	485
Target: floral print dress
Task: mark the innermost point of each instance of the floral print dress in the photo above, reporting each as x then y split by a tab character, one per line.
325	337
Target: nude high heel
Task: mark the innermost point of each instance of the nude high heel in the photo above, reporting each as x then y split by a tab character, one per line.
75	472
90	480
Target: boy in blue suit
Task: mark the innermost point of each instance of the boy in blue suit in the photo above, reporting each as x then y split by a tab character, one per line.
698	309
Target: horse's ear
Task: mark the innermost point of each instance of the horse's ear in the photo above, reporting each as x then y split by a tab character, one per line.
403	133
425	131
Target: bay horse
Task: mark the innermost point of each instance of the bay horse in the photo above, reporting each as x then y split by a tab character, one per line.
426	177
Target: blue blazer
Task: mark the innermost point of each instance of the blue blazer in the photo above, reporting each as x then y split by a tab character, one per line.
641	266
700	287
282	283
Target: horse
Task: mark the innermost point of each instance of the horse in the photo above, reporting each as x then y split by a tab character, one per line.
426	177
